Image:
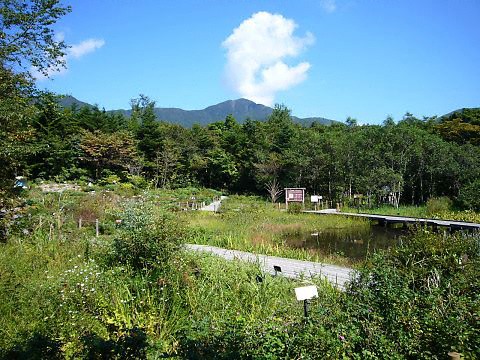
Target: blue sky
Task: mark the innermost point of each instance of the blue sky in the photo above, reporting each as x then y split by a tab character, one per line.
366	59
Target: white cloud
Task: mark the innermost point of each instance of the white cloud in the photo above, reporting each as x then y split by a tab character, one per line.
328	5
255	53
85	47
73	52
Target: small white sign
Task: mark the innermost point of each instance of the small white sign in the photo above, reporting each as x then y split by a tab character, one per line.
315	198
306	292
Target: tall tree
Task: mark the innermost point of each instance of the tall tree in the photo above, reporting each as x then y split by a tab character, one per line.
115	152
26	40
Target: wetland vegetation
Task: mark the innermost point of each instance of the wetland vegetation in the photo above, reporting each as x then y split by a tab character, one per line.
133	292
91	258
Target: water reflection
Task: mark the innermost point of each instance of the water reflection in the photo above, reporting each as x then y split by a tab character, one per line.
352	243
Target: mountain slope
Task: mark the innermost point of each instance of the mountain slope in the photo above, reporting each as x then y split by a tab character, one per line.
467	115
68	101
241	109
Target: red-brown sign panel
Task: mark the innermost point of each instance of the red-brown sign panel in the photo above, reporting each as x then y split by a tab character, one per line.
294	195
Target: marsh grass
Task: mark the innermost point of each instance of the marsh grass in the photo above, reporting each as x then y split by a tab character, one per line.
53	290
404	210
250	224
61	298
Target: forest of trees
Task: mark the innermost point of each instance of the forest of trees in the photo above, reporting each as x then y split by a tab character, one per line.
412	160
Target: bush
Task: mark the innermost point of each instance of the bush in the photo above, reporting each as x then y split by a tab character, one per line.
438	205
469	197
420	300
275	338
138	181
111	179
294	208
146	239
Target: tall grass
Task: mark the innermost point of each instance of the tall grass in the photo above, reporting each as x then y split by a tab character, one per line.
250	224
403	210
69	300
62	296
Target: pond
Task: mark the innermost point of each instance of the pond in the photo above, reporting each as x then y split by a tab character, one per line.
353	243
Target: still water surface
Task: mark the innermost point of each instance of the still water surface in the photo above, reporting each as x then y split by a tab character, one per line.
353	243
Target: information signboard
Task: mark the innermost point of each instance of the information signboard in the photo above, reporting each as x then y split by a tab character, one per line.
306	292
294	195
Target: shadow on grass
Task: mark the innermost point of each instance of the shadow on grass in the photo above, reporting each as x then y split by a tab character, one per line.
38	346
132	345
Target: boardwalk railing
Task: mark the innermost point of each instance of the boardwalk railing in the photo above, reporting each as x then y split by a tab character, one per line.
389	219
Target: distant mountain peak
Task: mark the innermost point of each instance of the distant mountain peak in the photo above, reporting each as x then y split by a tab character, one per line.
241	109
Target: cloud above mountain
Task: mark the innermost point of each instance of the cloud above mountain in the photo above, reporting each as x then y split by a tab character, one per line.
256	57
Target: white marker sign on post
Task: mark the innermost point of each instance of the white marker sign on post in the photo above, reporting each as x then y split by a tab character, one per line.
306	292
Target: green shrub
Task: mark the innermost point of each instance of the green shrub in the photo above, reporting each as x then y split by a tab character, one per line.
273	338
420	300
438	205
138	181
294	208
146	239
111	179
469	197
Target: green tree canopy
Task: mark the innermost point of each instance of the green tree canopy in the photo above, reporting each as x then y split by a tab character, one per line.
27	38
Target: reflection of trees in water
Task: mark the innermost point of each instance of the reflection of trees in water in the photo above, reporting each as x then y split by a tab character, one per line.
353	243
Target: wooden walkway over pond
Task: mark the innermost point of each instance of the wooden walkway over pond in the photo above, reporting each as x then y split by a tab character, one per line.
291	268
452	225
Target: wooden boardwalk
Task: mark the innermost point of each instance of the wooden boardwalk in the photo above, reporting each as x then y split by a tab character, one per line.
214	206
389	219
290	268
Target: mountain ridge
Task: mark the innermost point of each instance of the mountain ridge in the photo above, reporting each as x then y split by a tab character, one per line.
241	109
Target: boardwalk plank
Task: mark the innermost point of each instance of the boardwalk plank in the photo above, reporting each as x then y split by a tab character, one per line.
291	268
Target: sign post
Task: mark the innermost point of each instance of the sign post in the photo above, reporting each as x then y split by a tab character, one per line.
294	195
304	294
315	199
